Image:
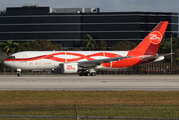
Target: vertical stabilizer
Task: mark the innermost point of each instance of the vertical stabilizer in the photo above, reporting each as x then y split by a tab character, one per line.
151	43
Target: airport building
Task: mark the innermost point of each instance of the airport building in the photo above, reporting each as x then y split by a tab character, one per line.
68	26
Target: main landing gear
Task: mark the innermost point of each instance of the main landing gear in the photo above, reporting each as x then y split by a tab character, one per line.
19	72
90	72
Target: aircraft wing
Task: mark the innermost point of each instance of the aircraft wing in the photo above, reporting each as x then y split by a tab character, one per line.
94	63
157	56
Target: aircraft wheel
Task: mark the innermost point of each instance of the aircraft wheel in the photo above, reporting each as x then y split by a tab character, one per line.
87	74
80	74
19	74
93	74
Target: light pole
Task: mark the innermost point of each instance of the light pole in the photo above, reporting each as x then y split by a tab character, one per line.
171	50
171	53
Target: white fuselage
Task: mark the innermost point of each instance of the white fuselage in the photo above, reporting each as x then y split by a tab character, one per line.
39	60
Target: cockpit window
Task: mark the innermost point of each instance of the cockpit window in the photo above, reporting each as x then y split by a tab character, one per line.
12	57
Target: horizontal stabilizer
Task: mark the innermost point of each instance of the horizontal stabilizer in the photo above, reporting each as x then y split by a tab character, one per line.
157	56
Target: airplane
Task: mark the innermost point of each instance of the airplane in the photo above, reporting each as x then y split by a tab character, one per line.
87	62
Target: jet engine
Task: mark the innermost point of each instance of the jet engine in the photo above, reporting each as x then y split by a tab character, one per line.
69	68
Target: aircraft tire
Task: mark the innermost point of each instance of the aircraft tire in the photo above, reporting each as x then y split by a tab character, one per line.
80	74
87	74
93	74
19	75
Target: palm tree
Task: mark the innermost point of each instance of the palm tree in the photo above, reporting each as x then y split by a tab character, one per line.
1	46
10	46
89	42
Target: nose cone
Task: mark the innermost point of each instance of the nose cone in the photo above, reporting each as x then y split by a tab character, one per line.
9	62
6	62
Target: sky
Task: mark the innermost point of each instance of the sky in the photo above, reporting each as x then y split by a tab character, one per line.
104	5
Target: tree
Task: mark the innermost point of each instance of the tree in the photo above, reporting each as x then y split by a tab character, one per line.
165	47
89	42
1	46
175	49
102	45
59	47
22	47
3	56
77	49
46	45
38	45
124	45
10	46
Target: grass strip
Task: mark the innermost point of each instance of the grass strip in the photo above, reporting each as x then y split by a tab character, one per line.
91	103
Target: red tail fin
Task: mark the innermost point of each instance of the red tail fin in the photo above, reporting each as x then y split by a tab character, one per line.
151	43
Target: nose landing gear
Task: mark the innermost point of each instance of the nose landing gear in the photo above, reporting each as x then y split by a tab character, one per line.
19	72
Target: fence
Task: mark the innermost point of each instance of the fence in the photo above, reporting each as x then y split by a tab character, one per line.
87	112
151	68
86	117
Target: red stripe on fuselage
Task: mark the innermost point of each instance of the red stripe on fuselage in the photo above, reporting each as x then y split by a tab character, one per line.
80	57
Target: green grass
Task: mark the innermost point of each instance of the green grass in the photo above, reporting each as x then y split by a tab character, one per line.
90	103
94	110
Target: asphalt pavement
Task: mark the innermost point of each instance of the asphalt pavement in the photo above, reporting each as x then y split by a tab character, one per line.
102	82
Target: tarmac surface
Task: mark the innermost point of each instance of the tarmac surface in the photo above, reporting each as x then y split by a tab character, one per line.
101	82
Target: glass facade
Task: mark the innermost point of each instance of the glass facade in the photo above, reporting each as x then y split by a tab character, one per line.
69	29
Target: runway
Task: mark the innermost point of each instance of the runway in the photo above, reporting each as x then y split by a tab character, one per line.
106	82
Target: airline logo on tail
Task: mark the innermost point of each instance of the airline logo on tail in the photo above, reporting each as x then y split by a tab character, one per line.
155	37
